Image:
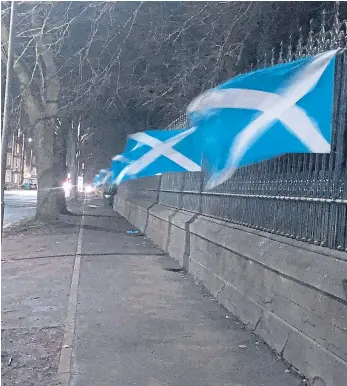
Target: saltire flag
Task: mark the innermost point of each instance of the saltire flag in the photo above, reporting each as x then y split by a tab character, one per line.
157	151
103	177
97	179
107	179
255	116
119	162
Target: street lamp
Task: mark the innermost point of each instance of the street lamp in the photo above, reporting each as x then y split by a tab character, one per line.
31	155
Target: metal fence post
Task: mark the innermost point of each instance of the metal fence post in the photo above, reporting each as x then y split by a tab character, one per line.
300	196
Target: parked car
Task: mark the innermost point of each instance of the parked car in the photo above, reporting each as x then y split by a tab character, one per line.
29	186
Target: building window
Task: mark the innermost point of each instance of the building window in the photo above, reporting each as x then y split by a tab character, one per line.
16	163
8	177
8	162
17	148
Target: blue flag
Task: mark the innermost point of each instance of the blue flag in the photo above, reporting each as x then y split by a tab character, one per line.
107	178
263	114
96	180
157	151
103	177
119	162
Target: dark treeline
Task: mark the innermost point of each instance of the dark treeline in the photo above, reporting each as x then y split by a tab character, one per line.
115	68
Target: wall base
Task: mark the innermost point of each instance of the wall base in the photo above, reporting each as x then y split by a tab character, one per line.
291	294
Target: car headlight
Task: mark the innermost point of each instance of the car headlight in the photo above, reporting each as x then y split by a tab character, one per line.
89	189
67	186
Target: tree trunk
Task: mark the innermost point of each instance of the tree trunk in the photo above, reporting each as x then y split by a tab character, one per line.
46	208
42	113
60	167
72	161
43	123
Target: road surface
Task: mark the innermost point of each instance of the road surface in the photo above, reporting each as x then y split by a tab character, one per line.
19	204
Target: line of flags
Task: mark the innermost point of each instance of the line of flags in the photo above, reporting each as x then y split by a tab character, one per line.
255	116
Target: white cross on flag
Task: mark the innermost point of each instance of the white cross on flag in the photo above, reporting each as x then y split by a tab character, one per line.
263	114
156	152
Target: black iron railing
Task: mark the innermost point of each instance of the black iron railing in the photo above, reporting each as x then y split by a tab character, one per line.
301	196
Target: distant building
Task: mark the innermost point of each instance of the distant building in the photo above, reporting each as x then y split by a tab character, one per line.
21	162
29	171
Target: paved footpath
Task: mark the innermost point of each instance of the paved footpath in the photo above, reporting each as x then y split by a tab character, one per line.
87	304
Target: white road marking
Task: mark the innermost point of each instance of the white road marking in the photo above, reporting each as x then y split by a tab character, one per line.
64	368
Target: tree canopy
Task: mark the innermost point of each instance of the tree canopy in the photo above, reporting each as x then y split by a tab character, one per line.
121	67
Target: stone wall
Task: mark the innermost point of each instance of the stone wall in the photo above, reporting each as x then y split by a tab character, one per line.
292	294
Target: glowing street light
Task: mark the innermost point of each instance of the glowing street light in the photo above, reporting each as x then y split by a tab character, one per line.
30	139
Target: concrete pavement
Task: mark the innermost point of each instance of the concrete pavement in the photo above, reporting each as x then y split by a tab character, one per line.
36	264
109	308
19	204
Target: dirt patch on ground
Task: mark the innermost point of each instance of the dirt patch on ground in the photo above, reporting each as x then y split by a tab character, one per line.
30	357
66	224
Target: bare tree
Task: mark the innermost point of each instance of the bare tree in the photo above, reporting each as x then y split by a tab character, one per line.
42	31
117	68
39	99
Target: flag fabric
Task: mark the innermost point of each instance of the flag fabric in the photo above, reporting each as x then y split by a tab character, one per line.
158	151
119	162
97	179
103	177
107	179
255	116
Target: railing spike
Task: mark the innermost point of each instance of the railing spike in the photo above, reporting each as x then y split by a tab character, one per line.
290	49
280	56
299	48
273	56
310	41
322	32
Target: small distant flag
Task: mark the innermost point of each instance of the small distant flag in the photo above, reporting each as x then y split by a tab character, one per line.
157	151
103	177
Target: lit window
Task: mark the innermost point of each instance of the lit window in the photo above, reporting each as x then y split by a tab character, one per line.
17	148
